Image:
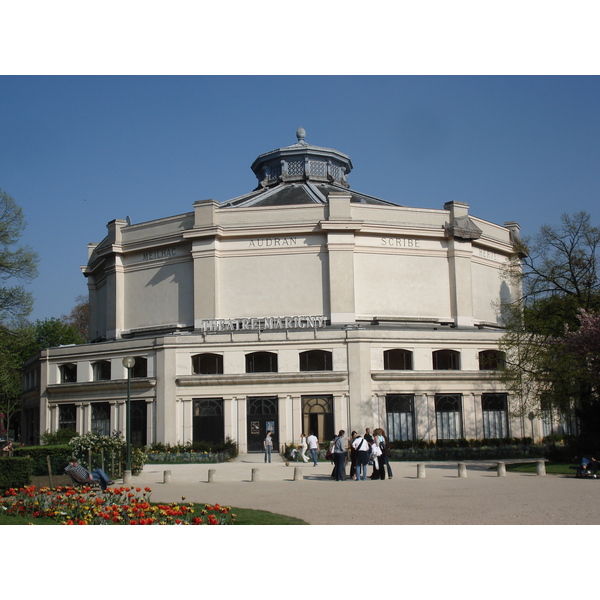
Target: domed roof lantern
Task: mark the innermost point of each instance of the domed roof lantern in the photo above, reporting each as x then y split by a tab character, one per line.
302	162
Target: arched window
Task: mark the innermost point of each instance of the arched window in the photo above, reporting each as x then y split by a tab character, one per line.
207	364
397	360
316	360
68	373
261	362
101	370
446	360
491	360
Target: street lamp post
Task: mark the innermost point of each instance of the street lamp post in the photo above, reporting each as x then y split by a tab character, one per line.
128	363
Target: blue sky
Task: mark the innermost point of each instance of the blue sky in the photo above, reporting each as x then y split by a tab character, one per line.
80	151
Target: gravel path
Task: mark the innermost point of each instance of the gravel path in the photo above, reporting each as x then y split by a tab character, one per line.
441	498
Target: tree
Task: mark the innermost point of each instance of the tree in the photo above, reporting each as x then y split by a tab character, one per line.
20	344
16	262
79	317
559	276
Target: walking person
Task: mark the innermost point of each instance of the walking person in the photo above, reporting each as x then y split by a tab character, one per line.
353	436
339	455
362	451
313	447
303	446
377	452
385	452
268	446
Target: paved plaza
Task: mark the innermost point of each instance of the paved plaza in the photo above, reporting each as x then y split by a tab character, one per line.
441	498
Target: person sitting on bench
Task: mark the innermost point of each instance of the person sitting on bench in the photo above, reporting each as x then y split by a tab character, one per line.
590	465
82	475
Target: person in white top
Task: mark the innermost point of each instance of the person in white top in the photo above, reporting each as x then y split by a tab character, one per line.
303	446
363	451
313	447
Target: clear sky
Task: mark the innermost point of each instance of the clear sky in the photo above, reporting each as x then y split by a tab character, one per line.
80	151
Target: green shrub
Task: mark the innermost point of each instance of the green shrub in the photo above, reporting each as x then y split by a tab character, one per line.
15	472
62	436
59	457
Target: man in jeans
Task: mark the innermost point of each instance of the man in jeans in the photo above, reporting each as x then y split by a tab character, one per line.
82	475
339	455
313	447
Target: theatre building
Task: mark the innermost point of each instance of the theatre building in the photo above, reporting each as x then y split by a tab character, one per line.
300	306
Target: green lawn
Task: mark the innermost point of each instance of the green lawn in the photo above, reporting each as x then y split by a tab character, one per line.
244	516
551	468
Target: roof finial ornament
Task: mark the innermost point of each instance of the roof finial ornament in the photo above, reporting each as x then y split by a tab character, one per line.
300	134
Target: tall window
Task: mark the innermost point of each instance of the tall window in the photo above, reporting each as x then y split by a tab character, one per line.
140	369
67	418
495	415
397	360
491	360
101	418
446	360
316	360
209	423
101	370
207	364
68	373
448	416
261	362
400	416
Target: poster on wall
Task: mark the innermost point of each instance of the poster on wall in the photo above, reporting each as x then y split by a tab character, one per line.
271	426
255	427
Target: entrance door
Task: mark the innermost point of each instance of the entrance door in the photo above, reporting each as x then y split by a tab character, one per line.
262	417
317	416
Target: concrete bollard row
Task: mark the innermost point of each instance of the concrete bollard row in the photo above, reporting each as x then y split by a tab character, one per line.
541	467
211	475
255	475
462	470
420	471
298	474
167	477
501	469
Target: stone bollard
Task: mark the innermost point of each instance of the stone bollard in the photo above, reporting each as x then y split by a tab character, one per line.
211	475
298	474
126	477
420	471
255	476
462	470
501	469
167	477
541	467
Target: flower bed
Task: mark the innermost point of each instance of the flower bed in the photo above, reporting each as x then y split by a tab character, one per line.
174	457
118	506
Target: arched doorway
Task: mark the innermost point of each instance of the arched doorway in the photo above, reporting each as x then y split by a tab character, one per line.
317	416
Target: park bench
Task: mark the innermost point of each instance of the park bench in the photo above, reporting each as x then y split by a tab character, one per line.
81	482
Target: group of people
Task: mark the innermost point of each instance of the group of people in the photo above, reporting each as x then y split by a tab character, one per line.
363	450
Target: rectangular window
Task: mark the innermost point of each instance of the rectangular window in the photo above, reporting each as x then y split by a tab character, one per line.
448	419
400	416
67	418
101	418
495	415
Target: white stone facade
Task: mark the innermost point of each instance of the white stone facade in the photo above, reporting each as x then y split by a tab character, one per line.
221	305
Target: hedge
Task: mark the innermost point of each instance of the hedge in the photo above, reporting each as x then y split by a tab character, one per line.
15	472
59	458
